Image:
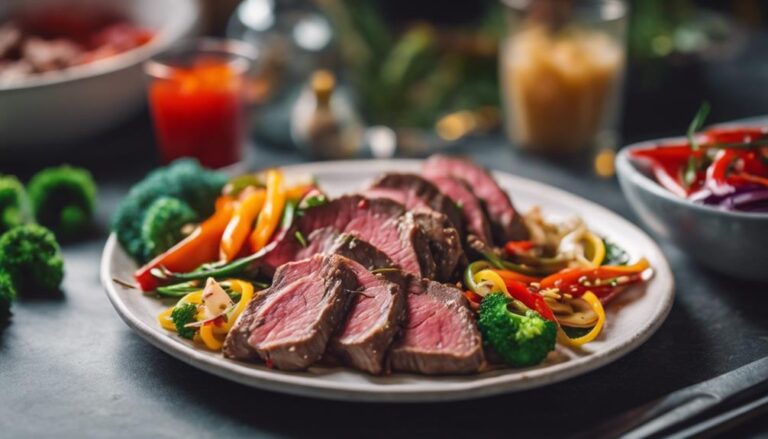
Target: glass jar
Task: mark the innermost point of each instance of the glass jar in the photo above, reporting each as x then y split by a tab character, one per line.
561	69
197	100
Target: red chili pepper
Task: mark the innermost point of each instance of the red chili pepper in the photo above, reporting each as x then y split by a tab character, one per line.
530	299
516	247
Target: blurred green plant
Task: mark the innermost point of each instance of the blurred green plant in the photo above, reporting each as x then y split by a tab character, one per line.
411	77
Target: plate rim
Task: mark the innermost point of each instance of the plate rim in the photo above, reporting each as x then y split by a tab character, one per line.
294	384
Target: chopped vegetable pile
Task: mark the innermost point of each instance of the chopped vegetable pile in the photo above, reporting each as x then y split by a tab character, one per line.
722	167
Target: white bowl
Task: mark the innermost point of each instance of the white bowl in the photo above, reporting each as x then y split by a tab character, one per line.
56	109
730	242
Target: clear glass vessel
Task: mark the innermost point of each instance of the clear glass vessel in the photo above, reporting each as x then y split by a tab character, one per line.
561	69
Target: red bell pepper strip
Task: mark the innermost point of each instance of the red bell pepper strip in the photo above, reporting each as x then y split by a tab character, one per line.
516	247
196	249
569	277
530	299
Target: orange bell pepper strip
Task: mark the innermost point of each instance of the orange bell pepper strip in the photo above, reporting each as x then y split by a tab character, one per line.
241	224
273	210
296	193
199	247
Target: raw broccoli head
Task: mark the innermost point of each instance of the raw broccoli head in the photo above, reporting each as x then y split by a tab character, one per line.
183	179
181	315
13	203
162	225
521	340
7	295
31	256
63	199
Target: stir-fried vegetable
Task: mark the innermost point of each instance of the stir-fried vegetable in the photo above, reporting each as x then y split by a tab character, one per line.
241	223
273	209
196	249
521	338
163	225
207	315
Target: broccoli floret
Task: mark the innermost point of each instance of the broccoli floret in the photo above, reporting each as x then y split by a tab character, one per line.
32	257
7	295
162	225
183	179
182	315
13	203
63	199
521	340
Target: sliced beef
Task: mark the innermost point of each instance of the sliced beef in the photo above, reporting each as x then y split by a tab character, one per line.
413	191
440	336
506	223
416	246
289	325
444	243
476	222
373	321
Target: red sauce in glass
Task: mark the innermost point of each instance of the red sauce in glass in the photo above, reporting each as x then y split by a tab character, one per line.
199	112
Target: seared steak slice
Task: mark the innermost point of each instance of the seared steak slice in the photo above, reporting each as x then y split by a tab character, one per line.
505	221
379	222
373	321
476	222
413	191
440	336
293	320
444	243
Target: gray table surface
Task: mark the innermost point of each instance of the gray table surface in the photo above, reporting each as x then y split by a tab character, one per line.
69	367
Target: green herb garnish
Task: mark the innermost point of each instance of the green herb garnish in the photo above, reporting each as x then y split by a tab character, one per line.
300	237
692	167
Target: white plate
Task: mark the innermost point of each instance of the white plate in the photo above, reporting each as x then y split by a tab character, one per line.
631	318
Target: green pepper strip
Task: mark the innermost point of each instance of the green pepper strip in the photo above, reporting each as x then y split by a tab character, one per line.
472	269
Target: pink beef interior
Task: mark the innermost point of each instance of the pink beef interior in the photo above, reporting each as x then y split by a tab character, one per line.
369	310
434	327
290	315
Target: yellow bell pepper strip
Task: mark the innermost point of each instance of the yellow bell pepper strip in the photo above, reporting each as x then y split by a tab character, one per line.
598	248
491	278
597	306
272	212
196	249
246	294
241	225
210	341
